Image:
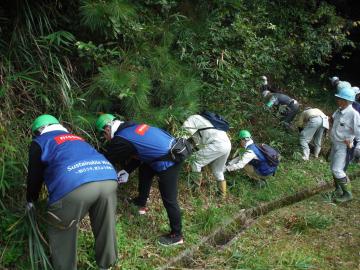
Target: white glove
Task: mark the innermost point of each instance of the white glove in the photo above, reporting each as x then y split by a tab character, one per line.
29	206
230	168
123	177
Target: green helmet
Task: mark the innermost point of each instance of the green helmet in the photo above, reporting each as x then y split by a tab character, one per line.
103	120
43	120
243	134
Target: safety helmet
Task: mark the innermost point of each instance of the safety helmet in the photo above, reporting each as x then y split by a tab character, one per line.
43	120
244	134
103	120
333	80
356	90
265	93
347	94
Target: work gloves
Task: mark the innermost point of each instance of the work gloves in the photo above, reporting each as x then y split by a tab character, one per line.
123	177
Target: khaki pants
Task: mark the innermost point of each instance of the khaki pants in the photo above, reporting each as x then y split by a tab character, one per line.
251	173
99	200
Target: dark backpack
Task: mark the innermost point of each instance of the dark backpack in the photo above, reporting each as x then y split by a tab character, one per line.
216	120
179	151
272	156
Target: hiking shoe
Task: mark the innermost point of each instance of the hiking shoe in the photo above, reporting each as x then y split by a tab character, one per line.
143	210
171	239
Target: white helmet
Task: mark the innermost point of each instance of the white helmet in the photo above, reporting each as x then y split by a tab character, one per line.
264	79
266	93
356	90
334	79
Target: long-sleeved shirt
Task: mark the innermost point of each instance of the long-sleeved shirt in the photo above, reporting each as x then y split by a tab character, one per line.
204	137
240	162
307	114
346	125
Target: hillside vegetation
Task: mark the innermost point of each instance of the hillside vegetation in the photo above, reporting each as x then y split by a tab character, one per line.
157	61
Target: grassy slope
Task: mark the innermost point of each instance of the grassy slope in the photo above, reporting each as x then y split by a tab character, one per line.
313	234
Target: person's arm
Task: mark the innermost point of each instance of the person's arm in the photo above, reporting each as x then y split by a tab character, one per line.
245	159
300	121
272	101
35	176
121	151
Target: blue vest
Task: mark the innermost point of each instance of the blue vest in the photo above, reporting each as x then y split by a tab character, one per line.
151	143
261	165
70	162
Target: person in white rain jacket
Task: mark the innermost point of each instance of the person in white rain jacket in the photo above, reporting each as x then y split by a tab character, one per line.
214	148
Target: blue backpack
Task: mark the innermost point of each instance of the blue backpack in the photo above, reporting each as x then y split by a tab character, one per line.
216	120
272	156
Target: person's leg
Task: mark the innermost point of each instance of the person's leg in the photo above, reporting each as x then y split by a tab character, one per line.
64	216
291	113
103	220
218	167
338	163
317	140
306	136
251	173
146	175
168	186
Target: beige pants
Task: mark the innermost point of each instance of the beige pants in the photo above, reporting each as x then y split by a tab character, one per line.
251	173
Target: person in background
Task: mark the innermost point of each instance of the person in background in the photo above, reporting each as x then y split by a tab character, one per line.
79	180
337	84
356	103
346	128
352	155
278	99
253	161
140	145
311	123
214	148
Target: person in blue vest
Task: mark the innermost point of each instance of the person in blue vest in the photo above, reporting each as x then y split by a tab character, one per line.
79	181
140	145
252	161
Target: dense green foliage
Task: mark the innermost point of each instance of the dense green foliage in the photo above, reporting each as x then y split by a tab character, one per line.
153	61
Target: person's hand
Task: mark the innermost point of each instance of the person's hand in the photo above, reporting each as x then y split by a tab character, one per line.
348	143
229	168
123	177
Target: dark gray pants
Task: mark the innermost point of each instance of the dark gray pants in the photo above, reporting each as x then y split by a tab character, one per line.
291	112
99	200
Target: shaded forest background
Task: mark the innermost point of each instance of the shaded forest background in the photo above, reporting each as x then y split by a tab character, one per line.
158	61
